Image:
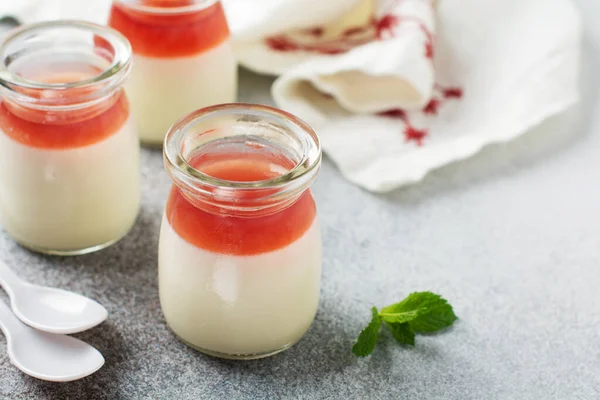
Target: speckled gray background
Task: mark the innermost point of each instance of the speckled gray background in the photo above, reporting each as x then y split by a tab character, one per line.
511	237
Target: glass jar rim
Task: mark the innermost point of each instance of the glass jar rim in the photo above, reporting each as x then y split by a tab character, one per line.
307	165
121	58
136	6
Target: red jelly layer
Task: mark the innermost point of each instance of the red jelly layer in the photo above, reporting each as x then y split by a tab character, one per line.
243	236
32	128
170	35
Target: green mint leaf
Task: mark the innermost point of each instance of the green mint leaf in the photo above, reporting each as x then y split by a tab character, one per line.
434	318
425	311
413	302
367	340
402	332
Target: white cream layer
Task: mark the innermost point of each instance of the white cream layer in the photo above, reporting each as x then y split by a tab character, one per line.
70	199
239	304
162	90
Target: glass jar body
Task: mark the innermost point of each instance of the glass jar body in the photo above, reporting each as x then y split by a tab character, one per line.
69	154
183	61
240	272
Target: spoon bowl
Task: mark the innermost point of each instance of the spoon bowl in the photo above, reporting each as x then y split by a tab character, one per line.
55	310
53	357
49	309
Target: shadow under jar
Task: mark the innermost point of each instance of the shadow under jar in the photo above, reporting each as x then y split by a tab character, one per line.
69	151
239	260
183	60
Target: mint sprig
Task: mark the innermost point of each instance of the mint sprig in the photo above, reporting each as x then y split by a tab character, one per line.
419	312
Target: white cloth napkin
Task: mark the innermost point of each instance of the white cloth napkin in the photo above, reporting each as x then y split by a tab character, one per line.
368	55
362	72
384	116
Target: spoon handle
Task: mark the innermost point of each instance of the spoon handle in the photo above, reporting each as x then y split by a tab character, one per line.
8	279
9	323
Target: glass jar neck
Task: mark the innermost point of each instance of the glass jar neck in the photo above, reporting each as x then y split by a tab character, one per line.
242	159
59	70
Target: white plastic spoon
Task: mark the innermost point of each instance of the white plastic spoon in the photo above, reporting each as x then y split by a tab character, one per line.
49	309
44	355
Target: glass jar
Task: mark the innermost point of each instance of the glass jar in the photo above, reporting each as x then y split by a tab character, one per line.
239	261
182	60
69	151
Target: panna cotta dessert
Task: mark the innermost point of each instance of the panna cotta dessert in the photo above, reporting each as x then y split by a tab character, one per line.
240	245
183	60
69	151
